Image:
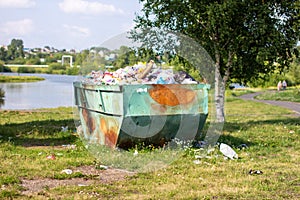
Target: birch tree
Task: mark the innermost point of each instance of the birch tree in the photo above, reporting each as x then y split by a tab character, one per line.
244	38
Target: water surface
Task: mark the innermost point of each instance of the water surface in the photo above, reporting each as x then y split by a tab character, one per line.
54	91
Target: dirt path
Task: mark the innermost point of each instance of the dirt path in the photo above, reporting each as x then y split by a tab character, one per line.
34	186
286	104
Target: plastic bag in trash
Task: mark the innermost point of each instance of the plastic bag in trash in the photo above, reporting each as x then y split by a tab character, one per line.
228	151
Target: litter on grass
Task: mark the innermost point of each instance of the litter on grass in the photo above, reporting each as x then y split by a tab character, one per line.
255	172
51	157
67	171
227	151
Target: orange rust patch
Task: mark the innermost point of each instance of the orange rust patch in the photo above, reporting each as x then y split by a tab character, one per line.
171	95
103	125
109	129
88	120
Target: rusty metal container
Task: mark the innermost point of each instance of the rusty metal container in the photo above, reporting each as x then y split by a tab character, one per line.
125	115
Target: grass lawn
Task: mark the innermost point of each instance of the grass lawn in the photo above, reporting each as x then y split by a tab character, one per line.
271	134
5	79
290	94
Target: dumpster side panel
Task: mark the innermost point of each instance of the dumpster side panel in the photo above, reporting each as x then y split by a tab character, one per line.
98	128
105	99
155	131
100	113
157	99
126	115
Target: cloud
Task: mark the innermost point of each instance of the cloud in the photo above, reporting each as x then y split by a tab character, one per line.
77	30
88	7
16	3
21	27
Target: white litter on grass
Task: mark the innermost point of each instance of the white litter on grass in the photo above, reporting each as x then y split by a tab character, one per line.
135	153
64	128
67	171
228	151
197	162
82	185
210	150
199	156
291	132
103	167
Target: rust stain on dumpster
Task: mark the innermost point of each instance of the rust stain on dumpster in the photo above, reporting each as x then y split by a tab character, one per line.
88	120
109	129
171	95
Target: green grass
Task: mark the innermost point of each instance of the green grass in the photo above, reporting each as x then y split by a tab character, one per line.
5	79
271	134
36	69
291	94
236	93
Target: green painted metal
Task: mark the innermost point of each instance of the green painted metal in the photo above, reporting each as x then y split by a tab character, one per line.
124	115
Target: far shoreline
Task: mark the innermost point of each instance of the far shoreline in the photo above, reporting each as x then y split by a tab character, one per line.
19	79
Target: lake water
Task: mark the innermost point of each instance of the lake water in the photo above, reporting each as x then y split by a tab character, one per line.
54	91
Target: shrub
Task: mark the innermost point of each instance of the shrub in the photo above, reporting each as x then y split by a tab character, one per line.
19	61
73	71
33	61
56	66
2	93
4	68
26	70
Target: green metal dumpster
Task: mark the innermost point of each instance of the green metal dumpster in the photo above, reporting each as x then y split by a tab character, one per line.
125	115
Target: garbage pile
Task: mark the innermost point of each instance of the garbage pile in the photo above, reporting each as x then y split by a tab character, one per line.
139	74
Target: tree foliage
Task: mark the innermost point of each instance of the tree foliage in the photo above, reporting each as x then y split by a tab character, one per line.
3	54
15	49
244	38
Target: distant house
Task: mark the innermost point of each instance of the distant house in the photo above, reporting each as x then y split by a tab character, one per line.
47	50
26	50
101	53
93	51
73	51
110	57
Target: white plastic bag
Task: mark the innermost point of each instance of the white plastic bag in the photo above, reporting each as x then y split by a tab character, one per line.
228	151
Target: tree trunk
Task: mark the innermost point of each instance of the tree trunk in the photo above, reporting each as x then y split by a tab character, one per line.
219	90
220	86
219	96
218	116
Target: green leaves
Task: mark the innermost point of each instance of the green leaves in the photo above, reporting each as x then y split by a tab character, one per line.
256	32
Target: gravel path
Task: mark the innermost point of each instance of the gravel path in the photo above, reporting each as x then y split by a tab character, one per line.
286	104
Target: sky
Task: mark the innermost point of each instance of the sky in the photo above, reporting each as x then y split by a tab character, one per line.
65	24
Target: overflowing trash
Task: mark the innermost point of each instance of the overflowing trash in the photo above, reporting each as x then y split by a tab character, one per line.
139	74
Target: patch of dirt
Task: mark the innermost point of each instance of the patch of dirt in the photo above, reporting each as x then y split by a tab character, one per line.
99	176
